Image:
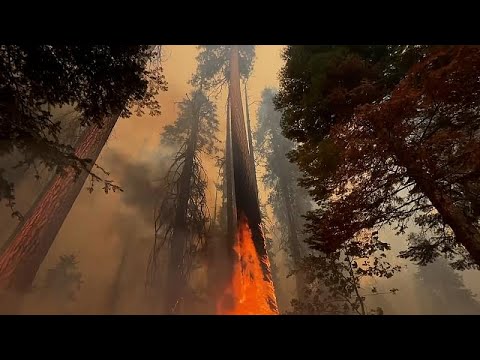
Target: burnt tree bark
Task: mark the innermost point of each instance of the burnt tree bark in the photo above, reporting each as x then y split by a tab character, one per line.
31	241
243	172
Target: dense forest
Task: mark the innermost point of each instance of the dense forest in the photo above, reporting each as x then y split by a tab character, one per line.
240	179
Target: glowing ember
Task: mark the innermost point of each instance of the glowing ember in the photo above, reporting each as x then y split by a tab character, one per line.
248	293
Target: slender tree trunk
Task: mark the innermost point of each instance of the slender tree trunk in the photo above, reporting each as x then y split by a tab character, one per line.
115	290
250	141
69	135
293	241
288	196
176	277
32	239
463	227
354	282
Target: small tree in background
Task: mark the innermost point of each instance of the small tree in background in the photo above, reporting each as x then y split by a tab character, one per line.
334	281
65	279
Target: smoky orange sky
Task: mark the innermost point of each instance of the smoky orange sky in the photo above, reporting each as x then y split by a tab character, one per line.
100	228
96	226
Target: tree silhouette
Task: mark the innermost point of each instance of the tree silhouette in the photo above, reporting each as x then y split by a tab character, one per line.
288	201
442	291
334	280
64	280
181	216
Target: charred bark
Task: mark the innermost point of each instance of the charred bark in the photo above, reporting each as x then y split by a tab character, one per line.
231	196
243	170
31	241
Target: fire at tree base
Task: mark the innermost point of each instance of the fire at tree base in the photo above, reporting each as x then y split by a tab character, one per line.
249	292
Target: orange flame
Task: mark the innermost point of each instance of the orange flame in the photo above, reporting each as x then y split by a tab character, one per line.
248	293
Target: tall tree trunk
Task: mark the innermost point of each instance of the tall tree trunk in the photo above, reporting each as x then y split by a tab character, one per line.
32	239
117	280
244	184
288	196
69	135
462	225
176	280
230	181
293	241
244	173
222	253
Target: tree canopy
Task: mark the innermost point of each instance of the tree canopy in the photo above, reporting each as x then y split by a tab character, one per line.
97	80
387	134
196	107
213	65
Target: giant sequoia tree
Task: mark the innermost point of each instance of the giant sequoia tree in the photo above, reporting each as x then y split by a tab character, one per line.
214	71
181	217
102	83
229	64
387	134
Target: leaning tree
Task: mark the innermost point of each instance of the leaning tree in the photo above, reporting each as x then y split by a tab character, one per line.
102	83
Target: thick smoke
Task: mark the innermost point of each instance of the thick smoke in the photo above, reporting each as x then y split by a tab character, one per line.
112	235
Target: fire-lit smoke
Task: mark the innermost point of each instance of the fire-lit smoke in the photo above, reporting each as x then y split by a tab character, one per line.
248	293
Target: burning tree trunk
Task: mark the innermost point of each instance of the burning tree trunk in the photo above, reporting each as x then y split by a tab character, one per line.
32	239
248	217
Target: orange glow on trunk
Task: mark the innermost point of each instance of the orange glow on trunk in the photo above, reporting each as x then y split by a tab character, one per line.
248	293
